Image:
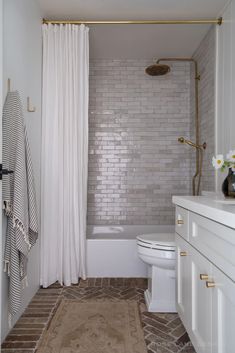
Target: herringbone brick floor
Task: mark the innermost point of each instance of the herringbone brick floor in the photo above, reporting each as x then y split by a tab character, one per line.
164	333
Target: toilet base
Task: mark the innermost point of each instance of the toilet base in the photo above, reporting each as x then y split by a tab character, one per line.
160	295
159	306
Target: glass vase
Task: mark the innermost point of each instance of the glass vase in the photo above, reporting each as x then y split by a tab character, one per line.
228	186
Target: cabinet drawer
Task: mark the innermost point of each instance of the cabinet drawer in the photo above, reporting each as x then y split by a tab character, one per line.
215	241
181	222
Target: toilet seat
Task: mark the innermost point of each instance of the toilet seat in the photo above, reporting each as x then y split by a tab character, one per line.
157	241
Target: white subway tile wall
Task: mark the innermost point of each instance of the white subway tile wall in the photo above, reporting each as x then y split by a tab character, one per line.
135	161
205	56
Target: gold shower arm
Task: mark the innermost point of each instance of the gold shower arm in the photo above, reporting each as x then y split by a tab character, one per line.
197	76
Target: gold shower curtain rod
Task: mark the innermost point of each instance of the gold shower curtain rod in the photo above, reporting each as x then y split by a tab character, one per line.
217	21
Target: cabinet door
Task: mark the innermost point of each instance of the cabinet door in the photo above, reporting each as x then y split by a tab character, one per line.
183	281
201	324
223	313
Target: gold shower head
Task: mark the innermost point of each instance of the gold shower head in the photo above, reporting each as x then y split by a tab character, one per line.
157	69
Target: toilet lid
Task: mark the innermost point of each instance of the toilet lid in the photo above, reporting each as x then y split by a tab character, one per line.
162	240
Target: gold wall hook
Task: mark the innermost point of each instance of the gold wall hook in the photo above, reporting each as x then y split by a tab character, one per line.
29	109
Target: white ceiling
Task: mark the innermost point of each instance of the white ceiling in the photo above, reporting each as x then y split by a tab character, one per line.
144	41
138	41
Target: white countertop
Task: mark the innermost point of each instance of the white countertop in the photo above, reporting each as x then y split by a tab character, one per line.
209	207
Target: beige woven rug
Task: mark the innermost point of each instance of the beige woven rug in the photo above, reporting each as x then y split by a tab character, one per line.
94	327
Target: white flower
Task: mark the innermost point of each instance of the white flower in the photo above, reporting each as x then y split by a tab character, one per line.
231	156
218	161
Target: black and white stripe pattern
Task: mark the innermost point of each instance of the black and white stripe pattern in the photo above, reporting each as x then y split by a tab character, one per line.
19	198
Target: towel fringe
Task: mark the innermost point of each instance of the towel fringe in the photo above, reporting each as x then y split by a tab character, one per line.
17	223
25	283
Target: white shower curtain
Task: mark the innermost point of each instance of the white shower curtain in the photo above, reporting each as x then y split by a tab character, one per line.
64	160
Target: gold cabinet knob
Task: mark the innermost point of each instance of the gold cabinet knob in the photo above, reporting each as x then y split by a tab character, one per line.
210	284
183	253
204	277
179	221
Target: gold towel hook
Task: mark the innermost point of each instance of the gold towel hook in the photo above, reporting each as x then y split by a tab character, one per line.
29	109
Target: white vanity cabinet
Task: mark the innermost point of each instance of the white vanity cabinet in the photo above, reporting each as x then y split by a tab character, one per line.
205	283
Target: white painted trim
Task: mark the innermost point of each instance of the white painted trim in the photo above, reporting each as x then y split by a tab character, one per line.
216	98
1	104
224	87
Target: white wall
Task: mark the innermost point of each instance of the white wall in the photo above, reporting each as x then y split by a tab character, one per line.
22	64
225	77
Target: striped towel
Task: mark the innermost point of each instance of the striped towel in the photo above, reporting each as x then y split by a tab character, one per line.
19	199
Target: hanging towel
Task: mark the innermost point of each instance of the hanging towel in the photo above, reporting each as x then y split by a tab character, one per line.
19	199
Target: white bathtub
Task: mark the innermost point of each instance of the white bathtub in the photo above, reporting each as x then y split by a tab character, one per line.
112	251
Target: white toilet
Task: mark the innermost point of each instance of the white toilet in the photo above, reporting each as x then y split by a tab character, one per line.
158	252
